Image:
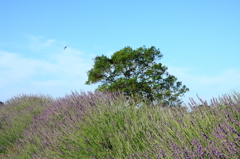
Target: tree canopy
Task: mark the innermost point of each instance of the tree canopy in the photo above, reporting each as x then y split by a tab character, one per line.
135	73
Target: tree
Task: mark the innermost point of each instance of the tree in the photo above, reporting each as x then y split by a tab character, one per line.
134	73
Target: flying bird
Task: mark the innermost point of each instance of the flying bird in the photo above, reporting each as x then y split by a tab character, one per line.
65	47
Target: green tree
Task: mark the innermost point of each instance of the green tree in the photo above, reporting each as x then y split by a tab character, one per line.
135	73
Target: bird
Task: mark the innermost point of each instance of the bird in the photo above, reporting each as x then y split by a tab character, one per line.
65	47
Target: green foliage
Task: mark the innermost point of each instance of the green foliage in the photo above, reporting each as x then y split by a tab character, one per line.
134	73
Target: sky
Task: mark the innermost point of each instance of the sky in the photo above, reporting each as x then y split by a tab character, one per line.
199	40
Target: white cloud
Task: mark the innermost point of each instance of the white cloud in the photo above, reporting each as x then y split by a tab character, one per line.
58	73
38	43
206	86
19	67
225	78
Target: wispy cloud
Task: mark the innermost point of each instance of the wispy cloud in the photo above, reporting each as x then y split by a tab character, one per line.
38	43
17	68
58	73
206	86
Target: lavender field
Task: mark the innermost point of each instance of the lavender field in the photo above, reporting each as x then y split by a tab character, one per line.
105	126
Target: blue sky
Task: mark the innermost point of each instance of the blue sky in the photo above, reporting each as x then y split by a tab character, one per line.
199	40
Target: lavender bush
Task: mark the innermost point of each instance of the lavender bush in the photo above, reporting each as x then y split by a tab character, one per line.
97	125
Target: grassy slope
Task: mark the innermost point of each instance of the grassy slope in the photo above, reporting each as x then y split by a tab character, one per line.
96	126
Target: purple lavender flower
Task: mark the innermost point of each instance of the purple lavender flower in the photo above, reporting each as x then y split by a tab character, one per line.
199	150
205	137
